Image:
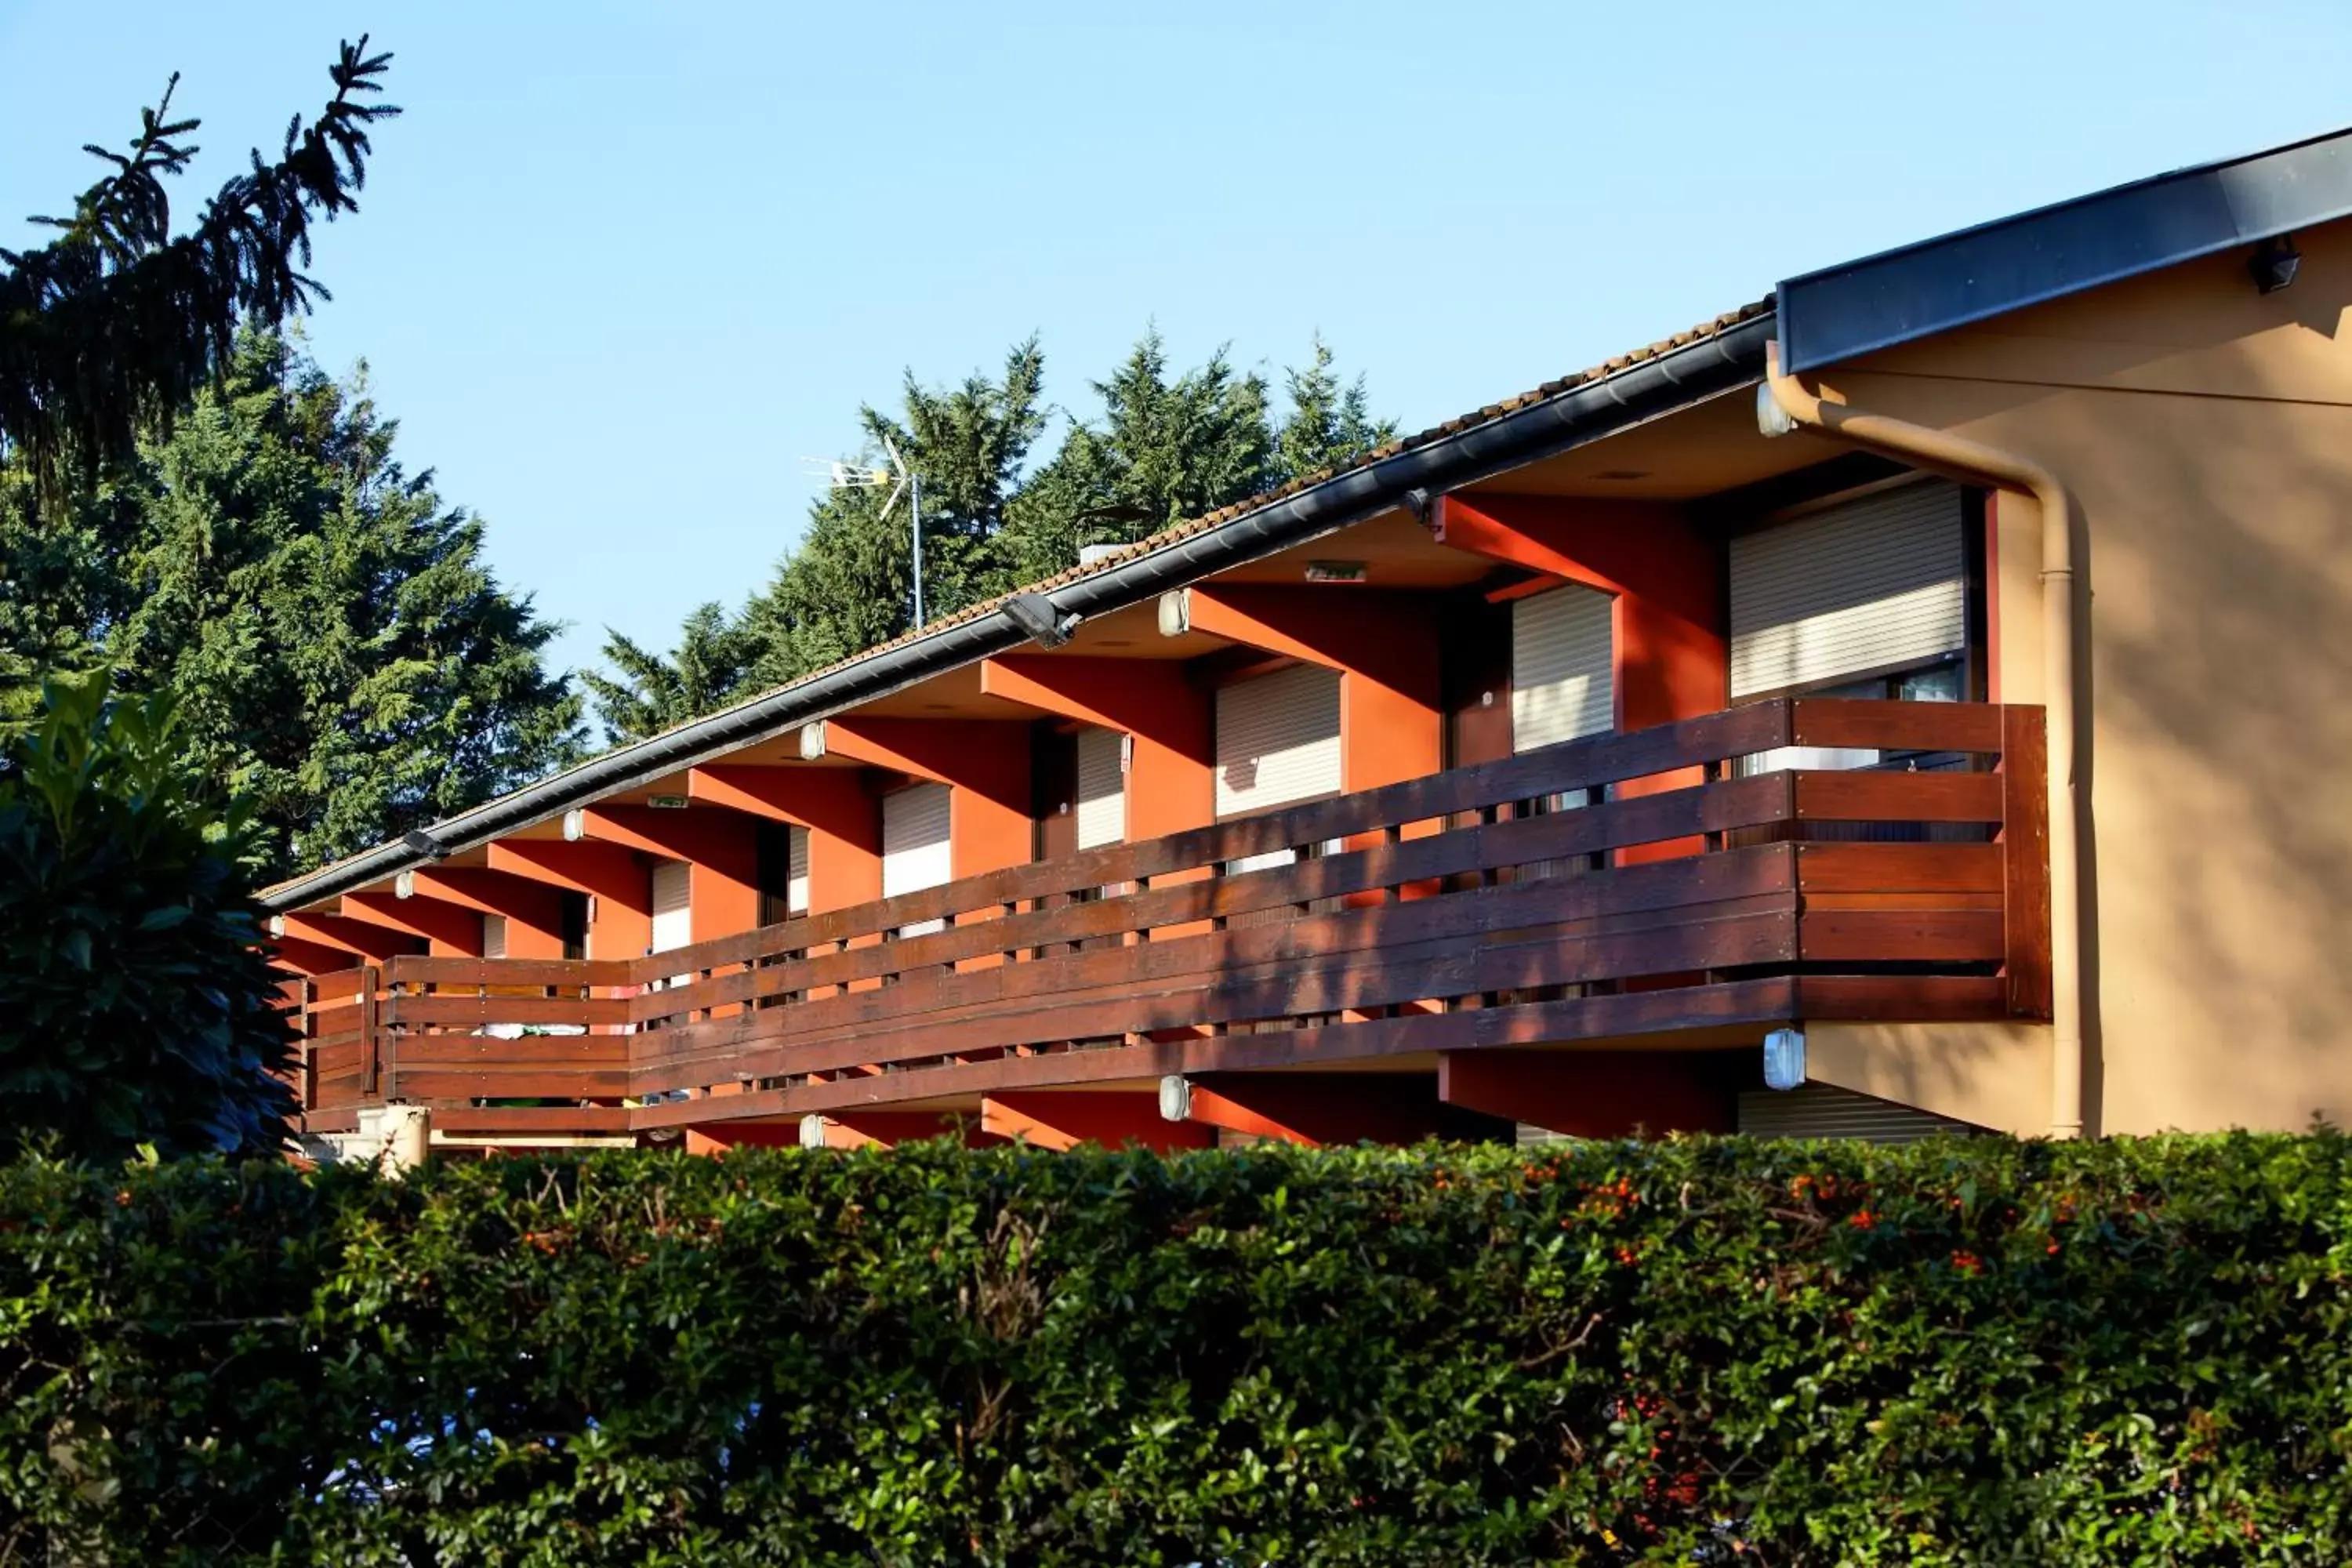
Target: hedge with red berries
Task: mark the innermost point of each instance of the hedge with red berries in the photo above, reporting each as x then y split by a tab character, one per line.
1711	1351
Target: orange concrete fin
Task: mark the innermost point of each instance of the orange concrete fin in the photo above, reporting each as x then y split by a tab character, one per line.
842	816
373	943
452	929
889	1129
1385	646
307	957
985	764
720	1136
720	849
1112	1118
1671	647
1331	1107
1595	1094
614	876
533	910
1171	778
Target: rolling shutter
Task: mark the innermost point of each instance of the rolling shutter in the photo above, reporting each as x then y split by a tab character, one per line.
1562	687
673	916
1102	787
1820	1110
796	879
1277	739
1868	586
494	936
915	846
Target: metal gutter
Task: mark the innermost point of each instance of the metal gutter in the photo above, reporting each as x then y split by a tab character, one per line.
1917	290
1727	361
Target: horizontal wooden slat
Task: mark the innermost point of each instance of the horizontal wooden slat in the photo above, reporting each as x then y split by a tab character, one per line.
1886	867
582	1051
448	1008
418	970
1897	797
430	1084
476	1121
1901	936
1896	726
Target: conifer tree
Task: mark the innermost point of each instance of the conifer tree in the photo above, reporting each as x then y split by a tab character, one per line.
340	655
656	692
1167	448
108	330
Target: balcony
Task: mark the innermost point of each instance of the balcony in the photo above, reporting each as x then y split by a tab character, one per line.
1688	906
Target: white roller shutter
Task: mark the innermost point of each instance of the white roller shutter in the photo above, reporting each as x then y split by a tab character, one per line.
1102	787
796	880
1866	586
1822	1111
1562	685
1277	739
494	936
673	916
915	846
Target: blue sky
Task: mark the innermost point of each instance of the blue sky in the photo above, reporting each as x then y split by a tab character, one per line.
621	267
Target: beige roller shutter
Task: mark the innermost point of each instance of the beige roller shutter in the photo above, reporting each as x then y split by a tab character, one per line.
494	936
673	916
1820	1110
1102	787
915	846
1868	585
1277	739
796	879
1562	686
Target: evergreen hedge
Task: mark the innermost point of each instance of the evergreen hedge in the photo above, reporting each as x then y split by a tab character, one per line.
1705	1351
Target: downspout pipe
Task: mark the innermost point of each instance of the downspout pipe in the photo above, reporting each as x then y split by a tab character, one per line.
1788	398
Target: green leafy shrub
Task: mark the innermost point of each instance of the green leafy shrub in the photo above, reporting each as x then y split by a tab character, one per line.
136	1005
1710	1351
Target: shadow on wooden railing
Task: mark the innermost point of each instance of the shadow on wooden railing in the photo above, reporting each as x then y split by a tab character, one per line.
1473	906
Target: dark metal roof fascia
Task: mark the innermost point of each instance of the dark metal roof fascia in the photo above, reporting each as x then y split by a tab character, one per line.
1921	289
1709	367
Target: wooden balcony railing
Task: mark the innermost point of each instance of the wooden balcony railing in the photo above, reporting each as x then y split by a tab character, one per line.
1470	907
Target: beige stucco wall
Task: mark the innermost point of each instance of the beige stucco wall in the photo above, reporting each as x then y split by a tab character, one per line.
2206	432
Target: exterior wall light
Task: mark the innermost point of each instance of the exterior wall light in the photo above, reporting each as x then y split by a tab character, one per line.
812	1131
1034	615
813	741
575	825
1175	1099
2273	264
1784	1059
404	885
1175	611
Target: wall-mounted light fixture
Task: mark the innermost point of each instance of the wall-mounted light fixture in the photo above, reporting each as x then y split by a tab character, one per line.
1784	1059
2273	263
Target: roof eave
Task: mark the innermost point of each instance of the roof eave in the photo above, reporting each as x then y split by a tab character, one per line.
1676	377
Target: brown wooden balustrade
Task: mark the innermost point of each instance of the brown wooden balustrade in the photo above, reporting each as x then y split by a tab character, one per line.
1447	912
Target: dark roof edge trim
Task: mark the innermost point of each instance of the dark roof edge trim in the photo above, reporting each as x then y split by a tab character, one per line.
1917	290
1706	368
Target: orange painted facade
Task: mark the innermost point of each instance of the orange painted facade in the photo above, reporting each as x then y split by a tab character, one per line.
1385	649
1171	778
533	911
836	806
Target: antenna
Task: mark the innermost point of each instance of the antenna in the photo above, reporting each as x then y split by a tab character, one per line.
902	480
